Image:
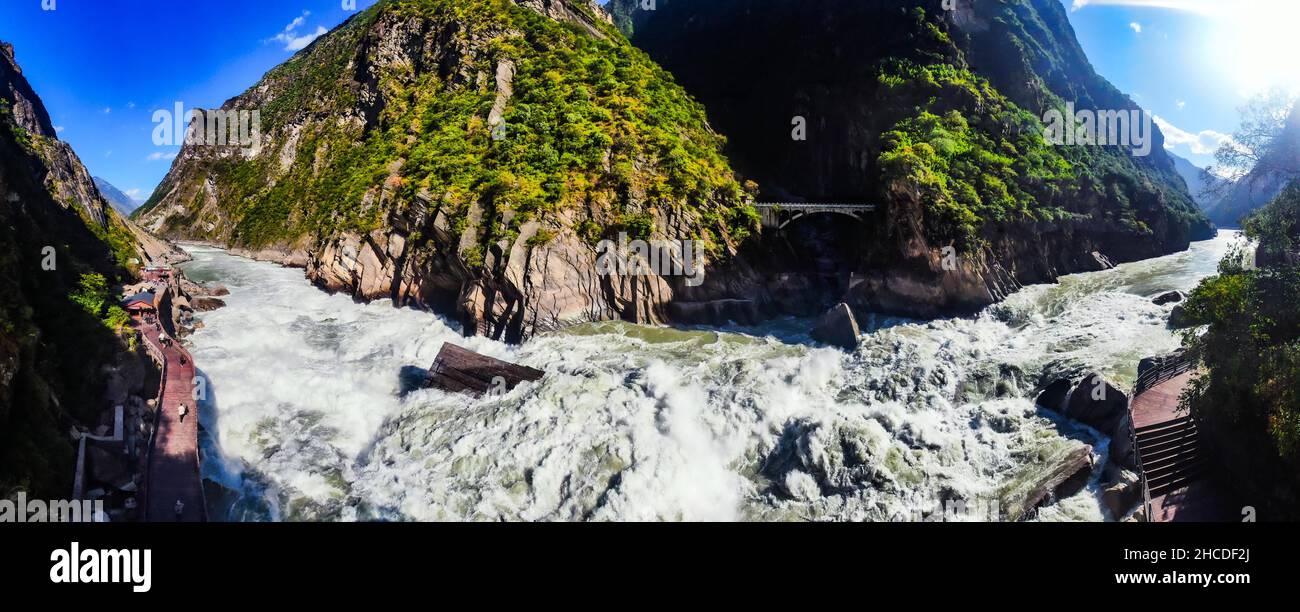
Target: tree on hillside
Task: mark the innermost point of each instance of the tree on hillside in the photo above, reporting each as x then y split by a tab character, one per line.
1261	148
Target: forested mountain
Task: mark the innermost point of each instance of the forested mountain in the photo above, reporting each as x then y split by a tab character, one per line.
937	114
465	155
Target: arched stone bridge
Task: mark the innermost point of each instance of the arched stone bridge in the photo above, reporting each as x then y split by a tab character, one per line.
777	215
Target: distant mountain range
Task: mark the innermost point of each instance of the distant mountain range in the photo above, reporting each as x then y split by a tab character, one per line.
124	204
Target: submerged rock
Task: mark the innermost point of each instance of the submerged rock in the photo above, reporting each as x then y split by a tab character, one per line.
1057	476
1168	297
1121	496
716	312
838	327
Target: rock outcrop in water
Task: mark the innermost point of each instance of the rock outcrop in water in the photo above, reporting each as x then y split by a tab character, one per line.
838	327
460	370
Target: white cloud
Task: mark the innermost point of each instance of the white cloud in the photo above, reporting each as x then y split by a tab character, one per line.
108	110
293	41
159	156
1182	104
58	129
1137	27
1205	142
1203	6
130	104
132	193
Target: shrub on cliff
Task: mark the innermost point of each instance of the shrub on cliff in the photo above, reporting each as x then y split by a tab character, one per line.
1250	394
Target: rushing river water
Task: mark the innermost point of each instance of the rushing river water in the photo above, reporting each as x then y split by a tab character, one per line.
311	417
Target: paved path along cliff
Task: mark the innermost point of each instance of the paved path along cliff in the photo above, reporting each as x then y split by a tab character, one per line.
173	464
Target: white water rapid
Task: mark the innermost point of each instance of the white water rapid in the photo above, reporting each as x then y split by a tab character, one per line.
309	416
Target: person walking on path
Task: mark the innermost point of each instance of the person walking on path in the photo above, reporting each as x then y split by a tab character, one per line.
180	510
183	411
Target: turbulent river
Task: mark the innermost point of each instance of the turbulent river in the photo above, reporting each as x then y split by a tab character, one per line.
312	415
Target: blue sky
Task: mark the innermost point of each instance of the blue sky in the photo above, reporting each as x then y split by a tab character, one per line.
1192	63
103	66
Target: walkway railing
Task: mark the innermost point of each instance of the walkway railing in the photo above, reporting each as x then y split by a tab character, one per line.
159	356
156	354
794	206
1167	369
1170	367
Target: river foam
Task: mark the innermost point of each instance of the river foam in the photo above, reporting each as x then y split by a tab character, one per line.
309	418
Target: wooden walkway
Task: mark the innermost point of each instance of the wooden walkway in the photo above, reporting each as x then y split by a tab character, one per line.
1173	463
172	471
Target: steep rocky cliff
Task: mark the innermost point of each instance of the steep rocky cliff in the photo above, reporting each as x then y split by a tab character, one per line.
61	247
936	116
467	156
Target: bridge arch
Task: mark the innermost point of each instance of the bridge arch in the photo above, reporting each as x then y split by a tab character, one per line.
777	215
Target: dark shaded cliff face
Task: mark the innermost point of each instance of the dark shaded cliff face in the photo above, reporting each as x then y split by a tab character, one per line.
467	156
55	230
937	117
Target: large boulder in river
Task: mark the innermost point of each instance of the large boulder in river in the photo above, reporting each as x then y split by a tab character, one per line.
1122	450
1049	475
838	327
1168	297
1053	395
1097	403
205	304
1178	318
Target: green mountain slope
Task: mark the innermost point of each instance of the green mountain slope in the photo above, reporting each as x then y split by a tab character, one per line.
463	154
939	116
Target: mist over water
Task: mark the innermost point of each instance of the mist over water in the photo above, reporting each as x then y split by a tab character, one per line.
311	418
